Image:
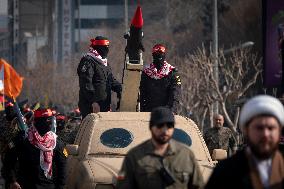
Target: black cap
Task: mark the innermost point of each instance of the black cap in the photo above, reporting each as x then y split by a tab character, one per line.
101	38
161	115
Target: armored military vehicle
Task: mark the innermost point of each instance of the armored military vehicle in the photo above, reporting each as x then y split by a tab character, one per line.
105	138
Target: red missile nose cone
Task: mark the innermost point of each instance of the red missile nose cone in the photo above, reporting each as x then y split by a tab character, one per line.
137	20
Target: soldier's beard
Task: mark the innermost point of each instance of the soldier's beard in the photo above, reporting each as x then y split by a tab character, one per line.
161	139
218	125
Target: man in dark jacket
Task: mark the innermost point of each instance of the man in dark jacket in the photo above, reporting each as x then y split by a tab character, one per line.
95	79
160	83
260	164
8	130
38	160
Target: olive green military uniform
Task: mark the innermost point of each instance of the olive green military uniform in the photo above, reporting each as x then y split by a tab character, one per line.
141	168
220	138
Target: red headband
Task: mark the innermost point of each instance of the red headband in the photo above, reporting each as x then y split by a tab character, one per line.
102	42
27	110
9	104
60	117
159	48
43	113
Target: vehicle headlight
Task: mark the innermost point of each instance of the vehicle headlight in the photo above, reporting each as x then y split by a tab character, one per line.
104	186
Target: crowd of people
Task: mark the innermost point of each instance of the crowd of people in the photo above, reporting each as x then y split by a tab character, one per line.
31	156
161	162
33	150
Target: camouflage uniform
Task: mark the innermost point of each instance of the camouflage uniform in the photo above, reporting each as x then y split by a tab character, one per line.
220	138
68	134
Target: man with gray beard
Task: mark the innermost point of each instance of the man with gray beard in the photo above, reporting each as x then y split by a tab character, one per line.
220	137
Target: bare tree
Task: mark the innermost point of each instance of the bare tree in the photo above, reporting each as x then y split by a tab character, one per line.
51	84
238	72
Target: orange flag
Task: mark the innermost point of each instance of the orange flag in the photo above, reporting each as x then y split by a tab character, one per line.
13	82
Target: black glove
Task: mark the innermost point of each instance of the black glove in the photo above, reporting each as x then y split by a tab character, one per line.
126	35
118	102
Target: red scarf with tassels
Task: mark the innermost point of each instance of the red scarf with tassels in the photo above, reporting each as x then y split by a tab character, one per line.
46	145
93	53
152	71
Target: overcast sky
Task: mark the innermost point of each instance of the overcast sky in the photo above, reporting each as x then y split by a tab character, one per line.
3	7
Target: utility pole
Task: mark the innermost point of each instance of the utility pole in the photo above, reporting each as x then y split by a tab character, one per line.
215	50
126	15
79	26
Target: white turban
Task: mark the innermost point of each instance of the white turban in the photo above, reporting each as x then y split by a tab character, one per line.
262	105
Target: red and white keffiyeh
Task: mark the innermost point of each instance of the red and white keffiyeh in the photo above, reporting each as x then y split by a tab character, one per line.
93	53
46	144
152	71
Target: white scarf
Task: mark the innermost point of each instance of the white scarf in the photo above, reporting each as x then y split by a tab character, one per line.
152	71
93	53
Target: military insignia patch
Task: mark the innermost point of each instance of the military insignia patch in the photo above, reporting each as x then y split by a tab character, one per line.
65	152
178	80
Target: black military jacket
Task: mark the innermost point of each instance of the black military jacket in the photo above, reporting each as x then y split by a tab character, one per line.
96	83
28	173
160	92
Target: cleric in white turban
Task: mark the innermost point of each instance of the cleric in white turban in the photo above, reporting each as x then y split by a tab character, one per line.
259	164
262	105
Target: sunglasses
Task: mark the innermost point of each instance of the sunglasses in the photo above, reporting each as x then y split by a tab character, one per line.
161	125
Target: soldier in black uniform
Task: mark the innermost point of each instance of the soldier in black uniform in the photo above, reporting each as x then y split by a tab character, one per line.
160	83
8	127
8	130
95	79
38	160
